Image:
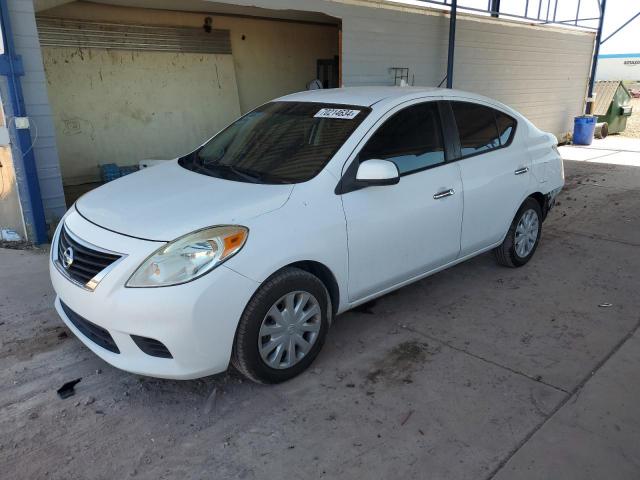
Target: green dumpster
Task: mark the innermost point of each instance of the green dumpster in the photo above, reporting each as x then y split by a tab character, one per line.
612	105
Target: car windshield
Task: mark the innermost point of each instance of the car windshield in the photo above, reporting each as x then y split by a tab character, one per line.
280	142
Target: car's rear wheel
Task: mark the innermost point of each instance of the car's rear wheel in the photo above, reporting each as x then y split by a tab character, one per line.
282	328
523	236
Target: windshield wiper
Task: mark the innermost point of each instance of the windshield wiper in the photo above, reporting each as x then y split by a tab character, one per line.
246	174
238	172
251	176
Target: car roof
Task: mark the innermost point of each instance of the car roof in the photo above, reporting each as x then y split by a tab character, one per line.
368	96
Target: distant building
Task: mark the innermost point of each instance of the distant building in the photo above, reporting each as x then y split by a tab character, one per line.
619	66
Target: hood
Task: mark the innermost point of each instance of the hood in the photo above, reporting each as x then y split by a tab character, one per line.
166	201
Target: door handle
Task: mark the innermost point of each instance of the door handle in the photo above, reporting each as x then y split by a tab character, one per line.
522	170
446	193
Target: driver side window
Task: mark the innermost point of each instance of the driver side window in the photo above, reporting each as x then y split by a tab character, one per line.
412	139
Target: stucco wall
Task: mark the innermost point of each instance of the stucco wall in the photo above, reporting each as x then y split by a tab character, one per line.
274	58
541	71
113	106
174	101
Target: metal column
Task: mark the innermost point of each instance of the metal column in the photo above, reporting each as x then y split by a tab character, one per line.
452	42
596	52
495	8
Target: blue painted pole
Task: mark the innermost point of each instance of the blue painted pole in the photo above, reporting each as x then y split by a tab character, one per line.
12	68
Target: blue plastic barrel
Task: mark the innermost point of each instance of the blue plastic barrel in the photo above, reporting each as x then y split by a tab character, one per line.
583	128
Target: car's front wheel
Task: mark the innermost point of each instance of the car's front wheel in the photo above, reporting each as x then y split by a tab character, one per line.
282	328
523	236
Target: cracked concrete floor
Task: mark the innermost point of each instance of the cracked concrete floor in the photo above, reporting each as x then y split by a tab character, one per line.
478	372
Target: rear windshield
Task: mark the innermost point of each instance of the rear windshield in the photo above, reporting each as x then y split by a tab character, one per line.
280	142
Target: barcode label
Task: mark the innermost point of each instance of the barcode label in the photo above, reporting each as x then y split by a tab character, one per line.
342	113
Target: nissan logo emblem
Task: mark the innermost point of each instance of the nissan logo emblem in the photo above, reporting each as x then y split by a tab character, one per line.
67	257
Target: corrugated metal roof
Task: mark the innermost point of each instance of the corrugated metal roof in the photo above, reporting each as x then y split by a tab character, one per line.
604	91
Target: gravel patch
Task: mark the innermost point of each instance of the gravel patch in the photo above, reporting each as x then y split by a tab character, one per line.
633	122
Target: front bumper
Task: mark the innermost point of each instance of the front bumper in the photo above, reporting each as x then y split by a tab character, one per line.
195	321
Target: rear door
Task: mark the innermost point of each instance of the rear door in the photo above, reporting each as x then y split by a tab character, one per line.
495	172
397	232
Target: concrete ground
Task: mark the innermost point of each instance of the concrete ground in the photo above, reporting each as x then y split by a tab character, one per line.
478	372
613	150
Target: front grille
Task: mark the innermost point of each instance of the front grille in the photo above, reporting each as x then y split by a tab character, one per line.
152	347
87	262
93	332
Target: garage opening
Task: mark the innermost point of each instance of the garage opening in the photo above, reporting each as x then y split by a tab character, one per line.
129	84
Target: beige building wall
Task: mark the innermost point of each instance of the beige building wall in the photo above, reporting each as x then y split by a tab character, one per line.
106	104
113	106
542	71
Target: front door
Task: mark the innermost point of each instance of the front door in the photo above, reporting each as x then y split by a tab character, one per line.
398	232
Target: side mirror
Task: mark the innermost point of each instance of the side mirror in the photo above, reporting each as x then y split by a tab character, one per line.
377	172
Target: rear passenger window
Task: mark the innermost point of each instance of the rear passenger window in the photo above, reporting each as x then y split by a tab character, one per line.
476	127
412	139
506	127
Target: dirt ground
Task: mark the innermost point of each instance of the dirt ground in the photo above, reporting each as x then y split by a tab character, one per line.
633	122
478	372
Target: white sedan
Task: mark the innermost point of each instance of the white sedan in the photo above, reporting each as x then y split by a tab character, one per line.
244	250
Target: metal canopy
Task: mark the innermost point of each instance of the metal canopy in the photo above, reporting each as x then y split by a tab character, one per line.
541	12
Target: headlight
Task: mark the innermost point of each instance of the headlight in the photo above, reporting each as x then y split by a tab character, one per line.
189	257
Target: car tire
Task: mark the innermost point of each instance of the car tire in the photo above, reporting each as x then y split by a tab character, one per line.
250	355
520	244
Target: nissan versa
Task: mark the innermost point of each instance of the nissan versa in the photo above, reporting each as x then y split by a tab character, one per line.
244	250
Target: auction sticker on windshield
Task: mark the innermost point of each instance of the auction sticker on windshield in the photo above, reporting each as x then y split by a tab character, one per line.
342	113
